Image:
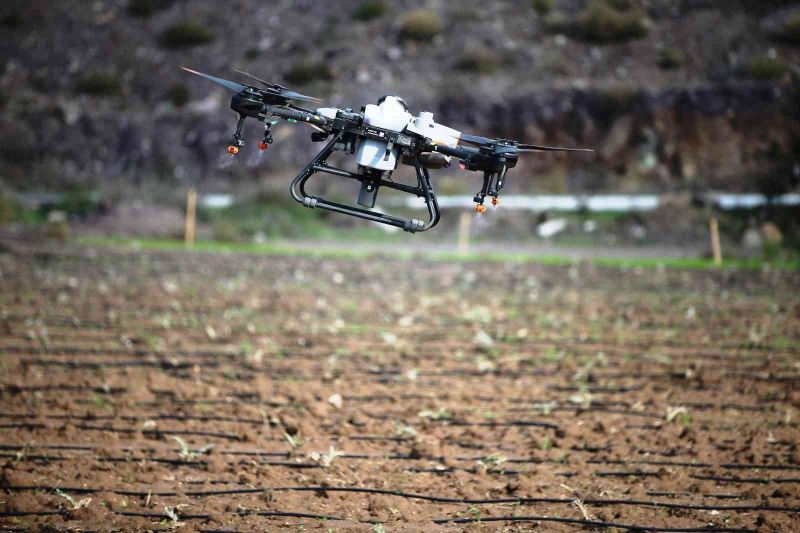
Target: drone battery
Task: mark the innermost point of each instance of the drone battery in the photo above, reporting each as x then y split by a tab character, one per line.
367	194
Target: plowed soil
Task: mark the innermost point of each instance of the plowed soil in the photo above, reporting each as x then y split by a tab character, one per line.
190	391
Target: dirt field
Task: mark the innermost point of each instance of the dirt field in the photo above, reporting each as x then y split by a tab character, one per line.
244	393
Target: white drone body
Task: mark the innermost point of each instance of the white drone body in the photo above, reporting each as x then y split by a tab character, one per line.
391	114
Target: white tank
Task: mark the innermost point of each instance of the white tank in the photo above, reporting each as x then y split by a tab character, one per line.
389	115
424	125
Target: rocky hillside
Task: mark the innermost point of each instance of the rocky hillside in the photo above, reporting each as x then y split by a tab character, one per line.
674	94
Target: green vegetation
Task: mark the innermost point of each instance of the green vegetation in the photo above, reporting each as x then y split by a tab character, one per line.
605	22
178	95
420	25
287	248
252	53
613	102
263	216
12	20
670	59
11	212
307	71
766	68
543	7
790	32
370	9
479	59
99	84
186	35
147	8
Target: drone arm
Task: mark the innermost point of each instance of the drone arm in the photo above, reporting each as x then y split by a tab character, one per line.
459	152
300	115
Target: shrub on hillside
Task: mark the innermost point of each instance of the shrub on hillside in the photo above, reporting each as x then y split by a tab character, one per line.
601	22
306	71
543	7
766	68
790	32
370	9
479	59
146	8
98	84
178	95
420	25
670	59
186	35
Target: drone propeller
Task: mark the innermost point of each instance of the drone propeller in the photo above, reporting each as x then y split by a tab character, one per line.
502	148
539	148
283	90
238	87
232	85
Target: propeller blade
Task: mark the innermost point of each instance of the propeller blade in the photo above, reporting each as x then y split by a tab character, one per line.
232	85
266	83
297	96
476	139
515	148
539	148
283	90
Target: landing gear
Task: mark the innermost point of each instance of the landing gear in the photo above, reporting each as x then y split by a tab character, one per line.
237	143
492	184
371	180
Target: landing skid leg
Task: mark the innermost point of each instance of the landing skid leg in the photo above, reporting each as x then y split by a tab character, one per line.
319	164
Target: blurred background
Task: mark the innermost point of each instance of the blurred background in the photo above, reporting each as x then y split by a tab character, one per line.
692	106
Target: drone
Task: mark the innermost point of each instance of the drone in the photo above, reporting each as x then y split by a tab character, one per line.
380	136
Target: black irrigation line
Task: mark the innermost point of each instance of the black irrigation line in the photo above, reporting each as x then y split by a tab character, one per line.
791	378
532	460
415	496
693	495
745	480
58	458
594	389
609	345
728	466
131	418
363	456
605	405
593	408
627	473
590	523
152	432
112	351
467	423
17	389
165	364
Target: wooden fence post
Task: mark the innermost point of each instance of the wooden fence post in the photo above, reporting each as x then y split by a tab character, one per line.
463	232
716	248
191	208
